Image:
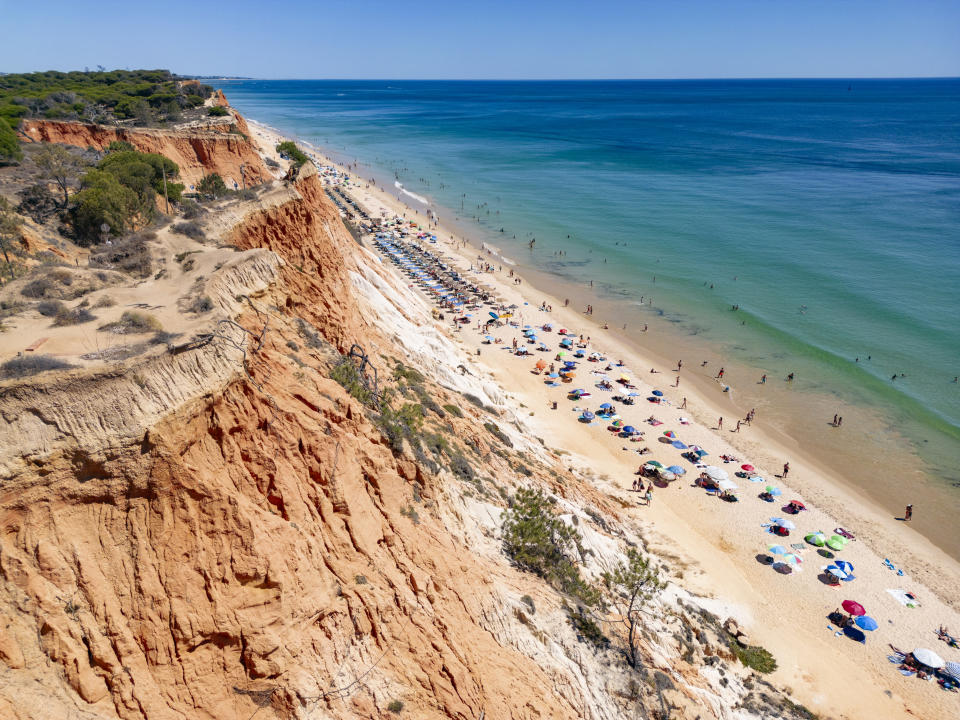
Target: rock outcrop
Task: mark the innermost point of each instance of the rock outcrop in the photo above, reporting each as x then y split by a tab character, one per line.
196	152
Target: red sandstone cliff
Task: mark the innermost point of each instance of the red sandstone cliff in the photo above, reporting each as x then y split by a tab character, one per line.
197	153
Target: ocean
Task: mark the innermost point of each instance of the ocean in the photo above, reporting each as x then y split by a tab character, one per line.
826	211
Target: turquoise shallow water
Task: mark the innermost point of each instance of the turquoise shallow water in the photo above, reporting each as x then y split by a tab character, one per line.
828	210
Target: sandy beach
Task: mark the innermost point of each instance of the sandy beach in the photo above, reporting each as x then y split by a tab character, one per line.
713	547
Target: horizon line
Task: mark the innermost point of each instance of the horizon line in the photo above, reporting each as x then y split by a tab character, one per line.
596	79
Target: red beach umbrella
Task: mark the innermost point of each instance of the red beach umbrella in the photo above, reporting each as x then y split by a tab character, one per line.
748	468
798	504
854	608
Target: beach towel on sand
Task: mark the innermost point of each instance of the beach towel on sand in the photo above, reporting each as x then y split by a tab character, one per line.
904	598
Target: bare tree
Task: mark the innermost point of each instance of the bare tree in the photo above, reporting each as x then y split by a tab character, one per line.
60	165
632	583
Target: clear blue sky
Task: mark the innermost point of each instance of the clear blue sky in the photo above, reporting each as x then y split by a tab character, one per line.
492	39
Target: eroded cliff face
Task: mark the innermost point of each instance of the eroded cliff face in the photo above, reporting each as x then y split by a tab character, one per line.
223	531
197	153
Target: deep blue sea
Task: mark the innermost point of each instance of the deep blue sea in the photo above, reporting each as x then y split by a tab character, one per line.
828	210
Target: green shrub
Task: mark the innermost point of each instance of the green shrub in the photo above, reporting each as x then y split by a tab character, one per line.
212	186
120	146
498	433
10	151
28	365
395	706
289	150
217	111
348	375
754	657
453	410
538	541
401	424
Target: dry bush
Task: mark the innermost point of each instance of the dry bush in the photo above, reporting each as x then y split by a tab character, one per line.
130	255
191	229
132	323
73	316
27	365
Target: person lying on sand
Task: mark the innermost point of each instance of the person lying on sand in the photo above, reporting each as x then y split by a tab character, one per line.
944	634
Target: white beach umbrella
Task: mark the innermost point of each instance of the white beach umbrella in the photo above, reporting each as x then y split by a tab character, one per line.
727	485
928	658
716	473
788	524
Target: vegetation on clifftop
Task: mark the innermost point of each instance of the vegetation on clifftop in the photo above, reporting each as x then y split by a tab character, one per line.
144	96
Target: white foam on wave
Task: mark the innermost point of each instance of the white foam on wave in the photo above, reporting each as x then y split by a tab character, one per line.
419	198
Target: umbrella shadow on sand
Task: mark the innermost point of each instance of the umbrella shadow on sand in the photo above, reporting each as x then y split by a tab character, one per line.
764	559
823	552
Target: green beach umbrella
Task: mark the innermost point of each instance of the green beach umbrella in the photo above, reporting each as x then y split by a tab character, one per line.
836	543
655	463
818	539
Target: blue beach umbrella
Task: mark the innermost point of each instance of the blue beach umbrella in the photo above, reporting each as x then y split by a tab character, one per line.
493	315
658	393
677	470
578	391
679	445
629	429
587	415
606	406
865	622
779	550
553	375
838	572
845	566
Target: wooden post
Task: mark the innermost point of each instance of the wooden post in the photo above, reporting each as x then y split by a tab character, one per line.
166	197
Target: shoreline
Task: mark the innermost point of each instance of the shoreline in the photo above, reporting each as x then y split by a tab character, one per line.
718	544
887	474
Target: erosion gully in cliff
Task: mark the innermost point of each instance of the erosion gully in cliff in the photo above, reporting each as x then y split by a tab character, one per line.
221	529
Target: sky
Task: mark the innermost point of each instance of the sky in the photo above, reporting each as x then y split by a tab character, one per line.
489	39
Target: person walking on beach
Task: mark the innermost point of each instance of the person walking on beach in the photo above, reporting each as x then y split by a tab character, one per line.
719	375
907	514
839	421
649	495
763	379
677	383
786	470
683	405
720	424
834	419
679	365
738	426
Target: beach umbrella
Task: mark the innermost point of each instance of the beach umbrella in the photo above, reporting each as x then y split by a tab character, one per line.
788	524
677	470
657	393
952	669
667	475
817	538
606	406
778	550
561	353
865	622
798	504
578	391
630	430
655	463
845	566
836	542
838	572
727	485
540	364
679	445
553	375
791	559
928	658
587	415
748	468
716	473
853	607
670	434
774	491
